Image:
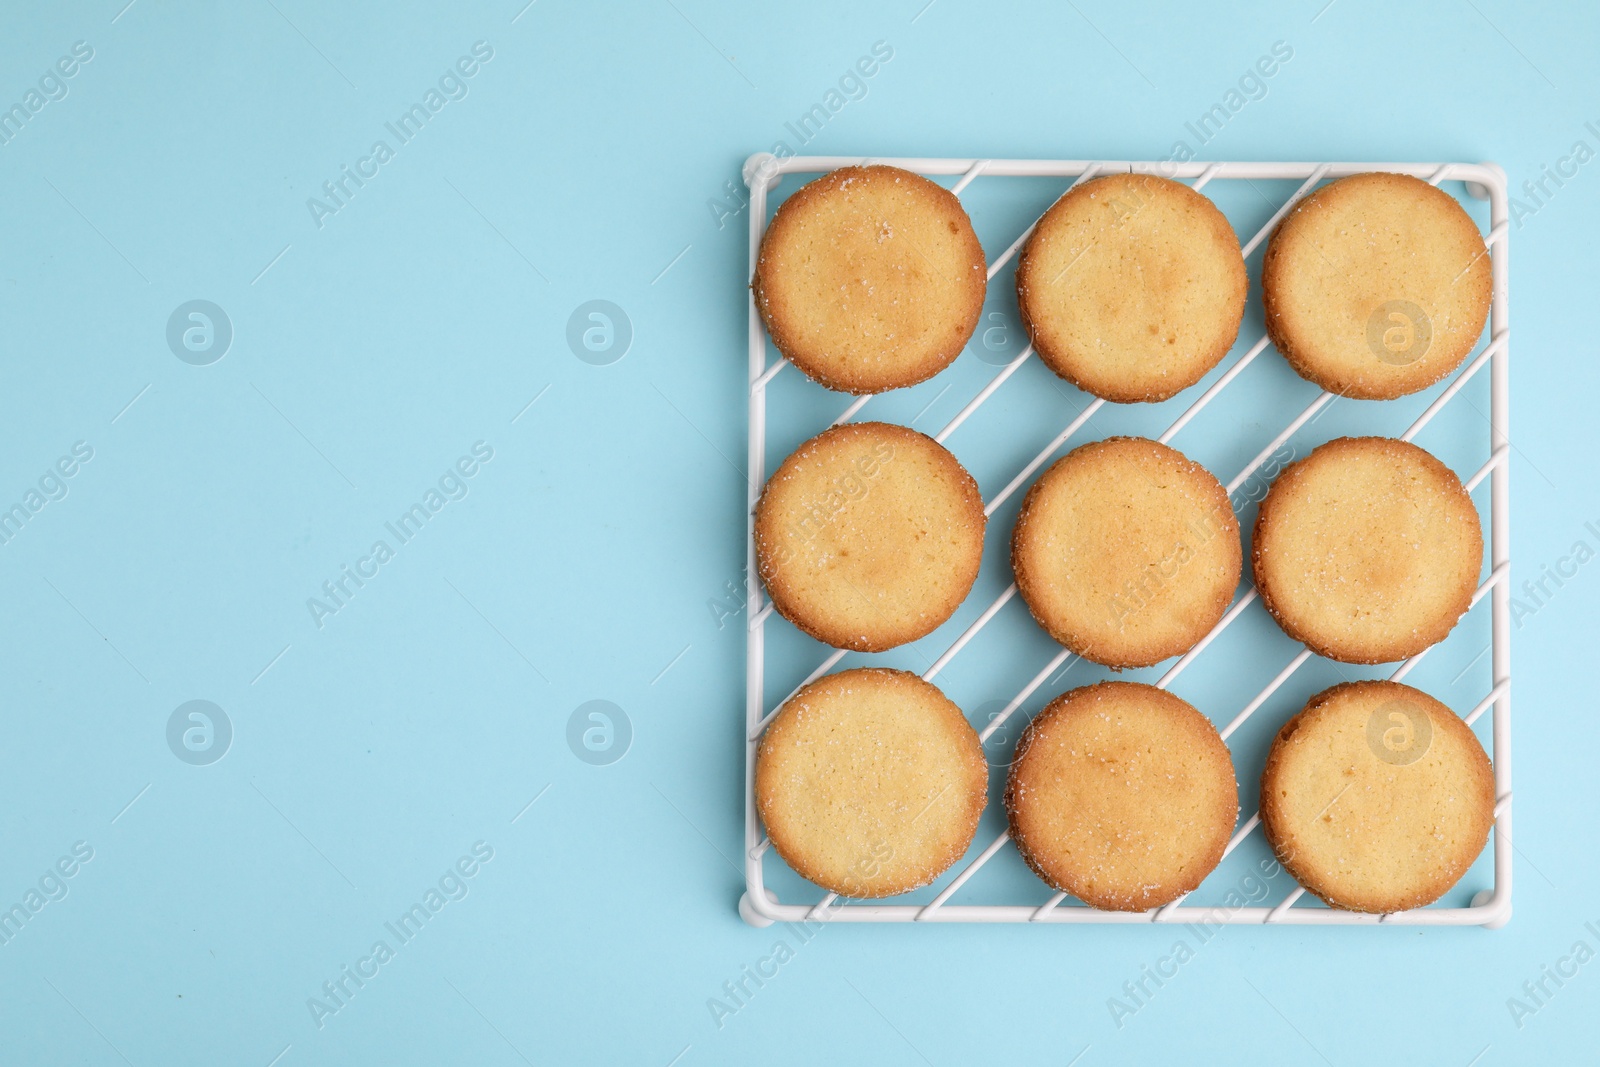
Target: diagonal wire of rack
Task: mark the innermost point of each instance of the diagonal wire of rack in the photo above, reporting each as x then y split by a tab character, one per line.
1488	908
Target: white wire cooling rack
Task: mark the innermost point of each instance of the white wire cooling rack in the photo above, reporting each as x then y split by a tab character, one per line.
1490	907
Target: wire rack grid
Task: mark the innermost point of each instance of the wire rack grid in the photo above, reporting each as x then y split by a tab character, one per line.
1490	907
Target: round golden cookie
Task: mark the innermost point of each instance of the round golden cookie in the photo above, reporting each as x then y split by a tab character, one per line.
1122	795
870	278
1367	550
1126	551
1377	797
1132	287
1376	286
870	782
869	536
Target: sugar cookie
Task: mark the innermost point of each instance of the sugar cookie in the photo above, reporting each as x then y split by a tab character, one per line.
870	278
1367	550
1122	795
870	782
1377	797
1126	552
1132	287
1376	286
869	536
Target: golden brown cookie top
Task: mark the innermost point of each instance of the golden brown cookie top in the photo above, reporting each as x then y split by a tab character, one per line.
1367	550
1377	797
1126	551
869	535
1132	287
870	782
870	278
1122	795
1376	286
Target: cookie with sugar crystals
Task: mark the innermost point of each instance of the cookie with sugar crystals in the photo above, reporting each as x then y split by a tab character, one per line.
1132	287
1122	795
1377	797
1367	550
870	278
869	535
1376	285
1126	551
870	782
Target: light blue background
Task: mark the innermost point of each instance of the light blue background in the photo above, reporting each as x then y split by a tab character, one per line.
589	555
